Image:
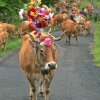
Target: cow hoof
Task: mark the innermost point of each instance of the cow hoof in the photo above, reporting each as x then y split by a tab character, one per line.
30	97
66	41
41	94
77	44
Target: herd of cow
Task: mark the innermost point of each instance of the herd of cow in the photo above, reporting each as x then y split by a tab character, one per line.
6	30
39	61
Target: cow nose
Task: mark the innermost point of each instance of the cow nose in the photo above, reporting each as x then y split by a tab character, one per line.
52	65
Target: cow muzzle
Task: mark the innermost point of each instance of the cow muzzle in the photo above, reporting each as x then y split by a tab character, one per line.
51	65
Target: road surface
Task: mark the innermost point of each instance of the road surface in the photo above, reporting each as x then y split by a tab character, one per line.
76	78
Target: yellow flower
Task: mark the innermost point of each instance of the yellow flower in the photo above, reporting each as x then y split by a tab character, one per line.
25	12
36	7
49	9
31	3
39	1
33	14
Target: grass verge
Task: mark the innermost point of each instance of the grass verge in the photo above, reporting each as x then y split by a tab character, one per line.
96	49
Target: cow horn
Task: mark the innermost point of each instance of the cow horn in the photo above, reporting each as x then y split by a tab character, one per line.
49	31
58	38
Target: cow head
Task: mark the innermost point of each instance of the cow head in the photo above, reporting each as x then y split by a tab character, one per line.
48	56
79	29
45	52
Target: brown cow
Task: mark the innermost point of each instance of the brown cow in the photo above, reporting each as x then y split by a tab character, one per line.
11	29
1	30
89	9
3	39
76	4
71	28
58	19
2	27
38	63
88	26
24	27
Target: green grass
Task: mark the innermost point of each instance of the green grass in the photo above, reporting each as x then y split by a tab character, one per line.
86	2
96	50
12	45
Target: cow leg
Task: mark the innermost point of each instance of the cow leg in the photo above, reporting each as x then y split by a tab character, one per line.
66	38
30	93
56	26
32	88
69	37
88	32
76	40
10	35
47	90
41	87
47	87
4	44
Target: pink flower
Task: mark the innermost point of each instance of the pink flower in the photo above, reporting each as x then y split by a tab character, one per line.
47	42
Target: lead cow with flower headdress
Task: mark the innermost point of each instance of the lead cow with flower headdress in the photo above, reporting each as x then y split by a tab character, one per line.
38	58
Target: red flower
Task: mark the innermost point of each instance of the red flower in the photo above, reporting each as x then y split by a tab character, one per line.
41	38
35	32
31	10
43	24
32	28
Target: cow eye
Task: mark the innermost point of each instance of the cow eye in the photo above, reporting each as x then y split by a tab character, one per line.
41	51
54	50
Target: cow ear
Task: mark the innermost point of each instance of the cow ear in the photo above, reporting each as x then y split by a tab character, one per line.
31	43
25	37
34	45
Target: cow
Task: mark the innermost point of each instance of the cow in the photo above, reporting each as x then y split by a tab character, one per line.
3	39
24	27
71	28
1	30
89	9
76	4
10	28
84	18
2	27
58	19
88	26
38	62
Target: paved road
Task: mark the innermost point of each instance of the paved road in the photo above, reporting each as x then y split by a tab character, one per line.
77	77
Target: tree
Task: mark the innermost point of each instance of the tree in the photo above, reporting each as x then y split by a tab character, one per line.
9	8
